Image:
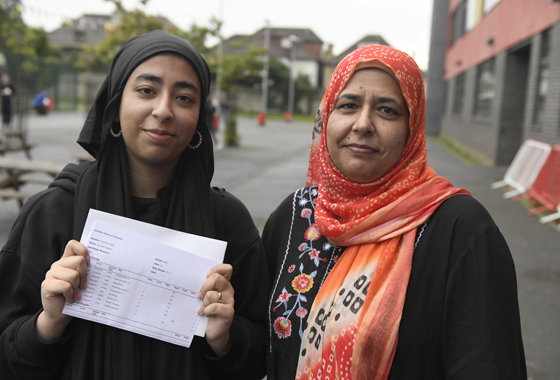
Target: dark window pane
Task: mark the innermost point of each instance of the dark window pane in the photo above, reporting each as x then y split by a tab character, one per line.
458	95
485	89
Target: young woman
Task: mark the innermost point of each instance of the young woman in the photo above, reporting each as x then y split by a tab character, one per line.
380	268
154	163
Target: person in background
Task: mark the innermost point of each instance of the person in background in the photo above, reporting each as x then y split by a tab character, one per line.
7	91
154	163
380	268
42	103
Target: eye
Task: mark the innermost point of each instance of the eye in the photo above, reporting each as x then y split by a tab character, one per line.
145	91
185	99
388	111
347	106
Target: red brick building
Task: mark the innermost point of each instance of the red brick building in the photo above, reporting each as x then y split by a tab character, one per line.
494	75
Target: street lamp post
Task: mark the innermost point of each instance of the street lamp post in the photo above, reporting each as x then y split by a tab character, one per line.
219	69
262	115
294	40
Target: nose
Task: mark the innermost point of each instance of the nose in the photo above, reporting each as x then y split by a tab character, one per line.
364	124
162	109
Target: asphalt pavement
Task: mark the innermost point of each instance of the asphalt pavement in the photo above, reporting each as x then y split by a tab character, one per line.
271	162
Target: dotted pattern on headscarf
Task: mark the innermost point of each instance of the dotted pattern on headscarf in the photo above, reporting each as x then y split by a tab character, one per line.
342	203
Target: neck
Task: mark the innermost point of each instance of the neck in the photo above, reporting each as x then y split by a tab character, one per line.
145	182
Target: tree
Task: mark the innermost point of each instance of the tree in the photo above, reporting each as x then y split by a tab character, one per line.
24	47
198	35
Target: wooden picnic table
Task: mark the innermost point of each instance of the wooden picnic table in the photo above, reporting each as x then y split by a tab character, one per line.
7	138
20	172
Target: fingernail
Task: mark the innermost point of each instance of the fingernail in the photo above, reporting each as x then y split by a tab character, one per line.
209	273
84	285
199	296
77	295
200	311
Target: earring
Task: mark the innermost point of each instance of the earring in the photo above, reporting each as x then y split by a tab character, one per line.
115	135
199	141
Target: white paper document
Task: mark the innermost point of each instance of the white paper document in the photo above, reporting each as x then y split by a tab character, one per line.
145	278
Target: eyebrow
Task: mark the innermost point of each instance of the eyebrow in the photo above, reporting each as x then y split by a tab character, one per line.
159	80
382	99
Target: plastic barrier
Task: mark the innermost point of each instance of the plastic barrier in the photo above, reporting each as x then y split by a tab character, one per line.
524	168
546	189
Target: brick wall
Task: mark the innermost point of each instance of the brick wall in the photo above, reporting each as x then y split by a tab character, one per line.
549	130
495	141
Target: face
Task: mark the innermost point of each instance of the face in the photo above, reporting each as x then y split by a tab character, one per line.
368	127
159	111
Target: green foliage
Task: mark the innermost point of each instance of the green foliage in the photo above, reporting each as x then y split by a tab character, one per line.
238	69
25	47
197	35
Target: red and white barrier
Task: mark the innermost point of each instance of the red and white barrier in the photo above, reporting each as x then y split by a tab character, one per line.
525	167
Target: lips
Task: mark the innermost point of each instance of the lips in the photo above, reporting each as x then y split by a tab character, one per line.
160	136
361	149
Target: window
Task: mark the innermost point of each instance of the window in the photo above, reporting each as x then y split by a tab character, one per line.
459	18
458	94
542	81
489	4
471	14
467	14
485	89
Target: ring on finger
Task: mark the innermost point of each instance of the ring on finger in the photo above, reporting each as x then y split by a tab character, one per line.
220	297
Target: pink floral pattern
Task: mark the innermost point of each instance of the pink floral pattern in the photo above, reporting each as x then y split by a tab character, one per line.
283	327
312	255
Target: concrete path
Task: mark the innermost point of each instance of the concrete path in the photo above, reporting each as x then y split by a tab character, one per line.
271	162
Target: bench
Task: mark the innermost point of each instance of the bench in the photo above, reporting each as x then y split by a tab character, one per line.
6	145
20	172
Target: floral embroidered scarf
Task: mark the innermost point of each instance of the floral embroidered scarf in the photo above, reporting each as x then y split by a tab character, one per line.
377	221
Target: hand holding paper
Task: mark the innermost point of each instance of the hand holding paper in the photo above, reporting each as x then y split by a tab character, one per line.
63	282
139	284
217	294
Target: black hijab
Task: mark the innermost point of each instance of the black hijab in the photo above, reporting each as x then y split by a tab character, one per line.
105	184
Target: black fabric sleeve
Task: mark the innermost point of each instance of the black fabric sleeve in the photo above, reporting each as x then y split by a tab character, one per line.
482	337
275	234
461	316
246	358
36	240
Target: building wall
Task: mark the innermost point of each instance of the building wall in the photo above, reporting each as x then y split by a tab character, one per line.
549	131
435	86
476	136
495	141
308	68
507	24
517	53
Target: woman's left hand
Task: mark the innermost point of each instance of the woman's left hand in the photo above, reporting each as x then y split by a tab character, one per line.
217	303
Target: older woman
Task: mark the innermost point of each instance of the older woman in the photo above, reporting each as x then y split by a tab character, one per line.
154	163
381	269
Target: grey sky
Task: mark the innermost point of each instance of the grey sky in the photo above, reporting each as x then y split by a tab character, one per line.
405	24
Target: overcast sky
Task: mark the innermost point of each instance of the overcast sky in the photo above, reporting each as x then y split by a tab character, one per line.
404	24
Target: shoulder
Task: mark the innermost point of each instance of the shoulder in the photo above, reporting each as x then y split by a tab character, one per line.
461	227
231	207
462	211
233	221
301	198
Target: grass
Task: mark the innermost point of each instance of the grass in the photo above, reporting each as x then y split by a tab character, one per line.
463	154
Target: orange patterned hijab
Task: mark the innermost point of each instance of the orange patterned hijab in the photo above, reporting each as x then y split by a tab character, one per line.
377	221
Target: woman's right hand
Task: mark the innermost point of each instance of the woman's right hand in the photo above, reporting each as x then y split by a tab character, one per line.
63	282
